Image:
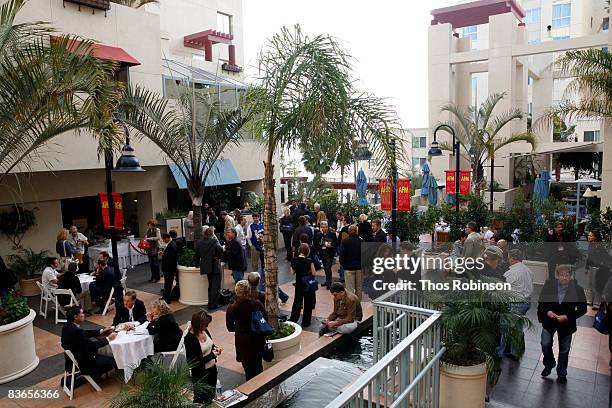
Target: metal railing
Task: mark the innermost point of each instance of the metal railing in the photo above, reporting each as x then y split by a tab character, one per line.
408	349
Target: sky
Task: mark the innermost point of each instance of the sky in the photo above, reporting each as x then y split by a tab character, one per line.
386	38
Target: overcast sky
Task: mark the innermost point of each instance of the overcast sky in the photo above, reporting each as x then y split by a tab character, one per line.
387	38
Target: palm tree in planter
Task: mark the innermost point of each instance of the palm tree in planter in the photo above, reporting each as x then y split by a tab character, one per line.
473	322
192	131
478	131
305	98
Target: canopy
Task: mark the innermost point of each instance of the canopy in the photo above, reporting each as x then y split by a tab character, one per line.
223	174
361	187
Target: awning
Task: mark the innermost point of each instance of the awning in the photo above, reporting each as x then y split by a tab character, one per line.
564	147
223	174
476	12
105	52
178	70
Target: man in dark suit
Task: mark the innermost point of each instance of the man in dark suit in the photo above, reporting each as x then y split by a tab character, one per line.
233	255
379	233
169	265
301	229
101	288
562	301
131	310
84	344
207	255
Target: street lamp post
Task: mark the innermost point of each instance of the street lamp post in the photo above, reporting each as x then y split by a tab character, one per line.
393	195
127	163
435	150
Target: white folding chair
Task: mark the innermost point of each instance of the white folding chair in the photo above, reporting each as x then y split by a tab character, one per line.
181	346
123	283
45	296
58	307
75	370
109	302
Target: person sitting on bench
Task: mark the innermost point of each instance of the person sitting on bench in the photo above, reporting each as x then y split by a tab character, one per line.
347	312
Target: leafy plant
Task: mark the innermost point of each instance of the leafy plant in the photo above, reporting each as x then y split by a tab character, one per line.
602	222
187	258
13	308
255	203
163	215
155	385
473	323
283	330
27	264
15	223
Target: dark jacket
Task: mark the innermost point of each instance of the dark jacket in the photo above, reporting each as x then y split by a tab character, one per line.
285	225
379	236
324	251
167	333
238	317
233	255
365	231
7	276
490	272
105	281
207	255
302	229
122	314
84	346
193	353
599	257
350	253
563	251
210	219
68	280
170	258
573	306
64	248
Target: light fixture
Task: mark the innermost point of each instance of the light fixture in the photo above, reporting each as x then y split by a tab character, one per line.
434	149
362	152
590	193
238	190
127	162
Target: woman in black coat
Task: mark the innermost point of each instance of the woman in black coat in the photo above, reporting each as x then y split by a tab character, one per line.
597	257
285	225
202	358
164	327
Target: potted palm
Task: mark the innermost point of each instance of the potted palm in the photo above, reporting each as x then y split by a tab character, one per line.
16	338
28	265
286	341
194	287
473	323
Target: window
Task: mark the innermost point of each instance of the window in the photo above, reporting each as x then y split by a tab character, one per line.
562	14
530	108
604	48
529	80
419	142
418	162
533	15
224	23
605	24
591	135
471	32
561	37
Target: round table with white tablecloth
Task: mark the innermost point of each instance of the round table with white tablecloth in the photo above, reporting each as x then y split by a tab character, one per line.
130	348
85	280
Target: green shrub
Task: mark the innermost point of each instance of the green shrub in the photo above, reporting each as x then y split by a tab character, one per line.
15	223
284	330
187	258
27	263
13	308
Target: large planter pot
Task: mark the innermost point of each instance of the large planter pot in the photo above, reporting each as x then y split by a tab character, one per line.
286	346
539	269
463	387
18	349
194	287
29	287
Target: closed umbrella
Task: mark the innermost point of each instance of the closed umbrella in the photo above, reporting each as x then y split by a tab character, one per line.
361	186
432	187
425	170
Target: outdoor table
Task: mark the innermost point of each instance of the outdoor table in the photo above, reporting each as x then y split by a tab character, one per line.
122	250
130	348
85	280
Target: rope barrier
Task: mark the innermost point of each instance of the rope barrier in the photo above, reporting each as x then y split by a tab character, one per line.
138	250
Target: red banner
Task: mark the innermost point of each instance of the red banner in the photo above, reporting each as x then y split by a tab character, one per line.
403	194
118	204
464	182
386	194
450	182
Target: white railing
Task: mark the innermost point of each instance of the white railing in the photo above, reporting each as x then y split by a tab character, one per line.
406	374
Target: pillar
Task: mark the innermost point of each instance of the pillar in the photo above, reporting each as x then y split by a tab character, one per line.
231	51
208	50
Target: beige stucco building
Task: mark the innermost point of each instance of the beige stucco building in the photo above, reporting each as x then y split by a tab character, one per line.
63	181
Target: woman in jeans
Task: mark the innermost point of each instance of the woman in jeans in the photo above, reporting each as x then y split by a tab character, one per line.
302	266
201	356
153	236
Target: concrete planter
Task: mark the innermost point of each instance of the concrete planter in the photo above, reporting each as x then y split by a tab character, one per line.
463	387
29	287
194	287
286	346
539	269
18	349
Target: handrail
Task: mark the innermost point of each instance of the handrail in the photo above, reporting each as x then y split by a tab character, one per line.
407	308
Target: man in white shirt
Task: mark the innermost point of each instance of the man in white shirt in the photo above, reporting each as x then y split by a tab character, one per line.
50	274
520	277
79	241
241	234
491	231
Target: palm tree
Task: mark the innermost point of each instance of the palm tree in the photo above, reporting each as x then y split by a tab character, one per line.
305	98
49	86
478	132
192	133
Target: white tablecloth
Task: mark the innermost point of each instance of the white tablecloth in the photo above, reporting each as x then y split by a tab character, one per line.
129	349
128	256
85	279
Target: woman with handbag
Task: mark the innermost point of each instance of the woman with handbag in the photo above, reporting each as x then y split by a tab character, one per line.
153	236
239	319
202	356
64	249
304	270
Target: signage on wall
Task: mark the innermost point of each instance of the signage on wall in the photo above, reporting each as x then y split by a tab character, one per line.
384	186
464	182
118	208
403	194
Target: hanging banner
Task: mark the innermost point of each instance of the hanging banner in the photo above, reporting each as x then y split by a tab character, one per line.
403	194
384	187
464	182
450	182
118	204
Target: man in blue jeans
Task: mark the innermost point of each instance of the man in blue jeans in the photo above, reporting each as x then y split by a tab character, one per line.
561	303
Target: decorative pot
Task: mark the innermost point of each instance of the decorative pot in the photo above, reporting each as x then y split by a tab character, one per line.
286	346
194	287
18	349
463	387
29	287
539	269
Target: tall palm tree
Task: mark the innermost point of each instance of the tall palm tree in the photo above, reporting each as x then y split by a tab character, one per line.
49	86
192	133
305	98
478	132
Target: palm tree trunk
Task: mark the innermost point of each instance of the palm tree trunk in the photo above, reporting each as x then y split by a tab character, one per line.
197	221
270	235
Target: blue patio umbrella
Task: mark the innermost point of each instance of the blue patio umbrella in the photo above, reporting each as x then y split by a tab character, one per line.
362	187
426	177
541	188
432	190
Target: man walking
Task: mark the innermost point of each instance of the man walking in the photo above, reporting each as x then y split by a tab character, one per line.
233	256
207	255
473	244
254	232
169	265
350	259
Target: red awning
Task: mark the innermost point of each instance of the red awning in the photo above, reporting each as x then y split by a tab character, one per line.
476	12
105	52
